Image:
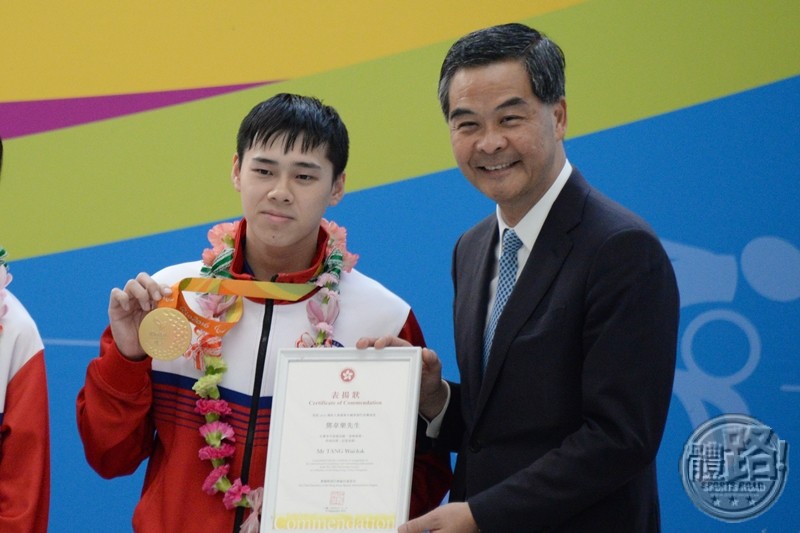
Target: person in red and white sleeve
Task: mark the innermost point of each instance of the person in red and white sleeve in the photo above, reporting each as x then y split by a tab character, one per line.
24	418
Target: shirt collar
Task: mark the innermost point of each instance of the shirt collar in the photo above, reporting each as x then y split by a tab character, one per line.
241	270
531	224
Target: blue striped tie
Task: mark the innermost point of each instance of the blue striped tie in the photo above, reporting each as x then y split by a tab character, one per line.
505	283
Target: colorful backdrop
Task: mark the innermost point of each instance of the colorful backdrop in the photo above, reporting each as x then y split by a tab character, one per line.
119	120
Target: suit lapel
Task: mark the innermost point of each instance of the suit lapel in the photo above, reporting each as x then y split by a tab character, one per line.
474	277
547	257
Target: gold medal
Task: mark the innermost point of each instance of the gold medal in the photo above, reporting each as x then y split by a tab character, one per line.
165	334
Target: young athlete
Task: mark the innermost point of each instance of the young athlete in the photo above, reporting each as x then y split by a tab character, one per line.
288	168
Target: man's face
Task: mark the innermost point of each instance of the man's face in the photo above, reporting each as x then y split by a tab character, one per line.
284	195
506	142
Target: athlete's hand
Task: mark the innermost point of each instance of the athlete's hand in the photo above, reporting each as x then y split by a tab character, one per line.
126	309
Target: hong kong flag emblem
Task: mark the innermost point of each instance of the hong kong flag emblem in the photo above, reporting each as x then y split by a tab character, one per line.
347	375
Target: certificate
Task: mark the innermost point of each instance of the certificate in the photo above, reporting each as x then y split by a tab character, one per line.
341	440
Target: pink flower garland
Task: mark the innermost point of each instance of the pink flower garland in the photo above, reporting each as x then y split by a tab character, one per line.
5	279
323	308
322	311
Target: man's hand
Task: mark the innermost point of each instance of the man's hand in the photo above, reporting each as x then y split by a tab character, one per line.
432	390
449	518
381	342
126	309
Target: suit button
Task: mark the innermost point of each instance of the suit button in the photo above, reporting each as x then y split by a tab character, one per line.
475	446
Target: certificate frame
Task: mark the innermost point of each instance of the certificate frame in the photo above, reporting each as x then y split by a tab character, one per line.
341	440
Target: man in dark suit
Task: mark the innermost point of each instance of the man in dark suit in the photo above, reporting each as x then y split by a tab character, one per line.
565	313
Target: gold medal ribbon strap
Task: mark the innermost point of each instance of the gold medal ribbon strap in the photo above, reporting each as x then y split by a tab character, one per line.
166	332
270	290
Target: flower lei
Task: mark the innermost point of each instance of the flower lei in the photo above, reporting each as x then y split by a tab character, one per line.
5	279
322	310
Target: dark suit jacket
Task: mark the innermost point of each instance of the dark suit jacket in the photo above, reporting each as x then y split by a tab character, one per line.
562	432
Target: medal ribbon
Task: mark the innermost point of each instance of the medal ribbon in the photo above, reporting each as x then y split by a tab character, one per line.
289	292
